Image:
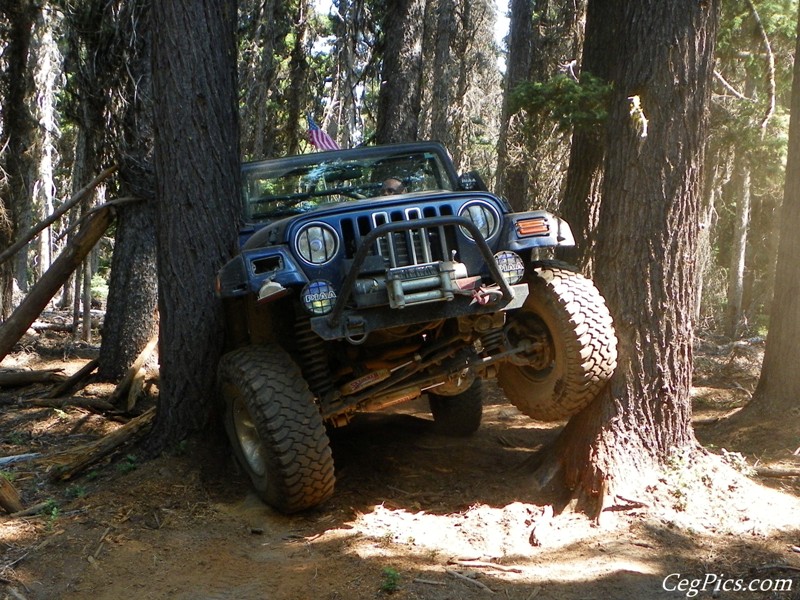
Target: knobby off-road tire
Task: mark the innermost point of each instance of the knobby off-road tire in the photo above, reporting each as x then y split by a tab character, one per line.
460	415
275	428
581	342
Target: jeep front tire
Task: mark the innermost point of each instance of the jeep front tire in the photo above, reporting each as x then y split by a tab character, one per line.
577	354
275	428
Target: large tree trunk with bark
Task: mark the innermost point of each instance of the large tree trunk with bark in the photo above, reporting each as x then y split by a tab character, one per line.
399	99
778	389
133	289
17	136
647	240
512	176
197	189
741	187
580	205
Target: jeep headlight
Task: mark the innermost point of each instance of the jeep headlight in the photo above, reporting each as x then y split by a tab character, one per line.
483	215
316	243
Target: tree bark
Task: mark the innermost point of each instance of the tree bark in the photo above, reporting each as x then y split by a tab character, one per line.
581	203
647	239
130	319
779	385
18	134
741	187
197	189
399	98
512	176
442	77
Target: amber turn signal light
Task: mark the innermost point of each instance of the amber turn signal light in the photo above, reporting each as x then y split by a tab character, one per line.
528	227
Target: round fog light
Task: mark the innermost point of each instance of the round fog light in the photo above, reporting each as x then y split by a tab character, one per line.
511	266
318	297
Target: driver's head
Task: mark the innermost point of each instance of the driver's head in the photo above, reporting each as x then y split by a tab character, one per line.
392	186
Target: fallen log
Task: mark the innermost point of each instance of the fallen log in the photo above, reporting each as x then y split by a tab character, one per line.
21	378
43	291
72	381
83	457
93	404
777	472
39	326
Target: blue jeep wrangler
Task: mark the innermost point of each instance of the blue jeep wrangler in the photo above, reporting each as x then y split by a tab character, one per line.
353	294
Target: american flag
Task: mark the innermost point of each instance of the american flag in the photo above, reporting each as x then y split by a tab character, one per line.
319	138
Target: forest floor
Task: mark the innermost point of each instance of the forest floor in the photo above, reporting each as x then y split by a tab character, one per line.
414	516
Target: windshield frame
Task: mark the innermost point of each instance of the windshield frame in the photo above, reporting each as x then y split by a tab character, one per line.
274	189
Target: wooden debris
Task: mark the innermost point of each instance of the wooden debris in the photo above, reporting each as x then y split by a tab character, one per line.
9	497
131	385
7	460
474	582
93	404
32	510
428	581
777	472
480	564
89	454
22	378
73	381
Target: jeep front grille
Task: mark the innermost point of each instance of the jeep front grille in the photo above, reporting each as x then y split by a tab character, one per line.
413	246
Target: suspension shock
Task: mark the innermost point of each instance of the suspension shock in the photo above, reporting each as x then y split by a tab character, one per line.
313	360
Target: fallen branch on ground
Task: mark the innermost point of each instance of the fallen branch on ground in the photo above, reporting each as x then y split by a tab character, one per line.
93	404
74	380
92	453
475	582
770	472
480	564
22	378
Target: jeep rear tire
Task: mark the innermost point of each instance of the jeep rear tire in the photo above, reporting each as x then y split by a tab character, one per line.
460	415
275	428
565	310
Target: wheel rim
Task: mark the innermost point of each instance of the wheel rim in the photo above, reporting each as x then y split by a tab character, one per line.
543	364
247	436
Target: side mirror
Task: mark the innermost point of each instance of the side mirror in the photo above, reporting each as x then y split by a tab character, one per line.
471	181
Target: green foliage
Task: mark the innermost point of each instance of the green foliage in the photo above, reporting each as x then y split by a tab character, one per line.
128	464
8	475
391	580
75	491
571	104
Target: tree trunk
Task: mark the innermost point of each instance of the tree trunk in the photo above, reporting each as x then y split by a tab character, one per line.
779	385
512	174
399	99
298	76
647	240
581	203
133	288
741	187
16	137
441	76
197	189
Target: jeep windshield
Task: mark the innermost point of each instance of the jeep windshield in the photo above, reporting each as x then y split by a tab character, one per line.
277	188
